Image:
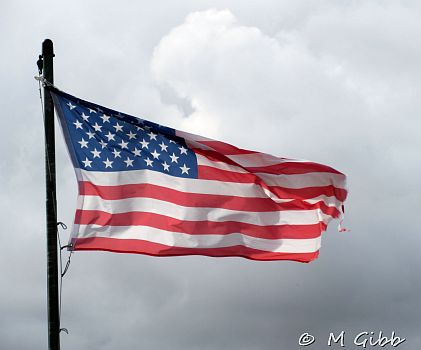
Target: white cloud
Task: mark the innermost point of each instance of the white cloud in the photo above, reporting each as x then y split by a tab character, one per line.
253	89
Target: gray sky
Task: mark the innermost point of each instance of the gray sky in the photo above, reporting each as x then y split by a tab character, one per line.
337	82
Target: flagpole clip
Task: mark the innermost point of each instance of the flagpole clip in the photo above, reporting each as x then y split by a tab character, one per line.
45	82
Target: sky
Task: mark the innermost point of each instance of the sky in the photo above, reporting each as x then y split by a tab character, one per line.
336	82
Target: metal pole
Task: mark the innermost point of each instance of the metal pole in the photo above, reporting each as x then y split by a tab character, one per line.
51	203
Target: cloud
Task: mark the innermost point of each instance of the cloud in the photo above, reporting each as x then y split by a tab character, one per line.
237	77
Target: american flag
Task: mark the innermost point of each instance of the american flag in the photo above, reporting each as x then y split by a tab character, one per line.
150	189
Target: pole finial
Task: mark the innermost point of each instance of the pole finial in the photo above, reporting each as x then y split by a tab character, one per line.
47	48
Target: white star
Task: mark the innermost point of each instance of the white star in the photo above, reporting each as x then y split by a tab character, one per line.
172	141
155	154
71	106
131	135
163	146
92	110
136	152
110	136
123	144
103	144
116	153
129	162
85	117
83	143
182	150
184	169
146	127
174	158
139	128
97	127
144	143
148	161
78	124
105	118
166	166
97	154
152	136
118	127
90	134
87	163
108	163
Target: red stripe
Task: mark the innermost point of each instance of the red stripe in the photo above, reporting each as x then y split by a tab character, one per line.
291	168
206	172
210	173
198	199
163	222
225	148
155	249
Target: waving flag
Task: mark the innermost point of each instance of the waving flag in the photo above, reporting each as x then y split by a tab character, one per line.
149	189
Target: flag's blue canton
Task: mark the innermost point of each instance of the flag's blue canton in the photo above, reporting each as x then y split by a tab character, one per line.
105	140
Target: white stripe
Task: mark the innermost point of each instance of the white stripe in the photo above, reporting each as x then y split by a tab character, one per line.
329	201
285	217
255	159
304	180
260	159
177	239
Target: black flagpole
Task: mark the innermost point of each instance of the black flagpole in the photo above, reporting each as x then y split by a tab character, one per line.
51	203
